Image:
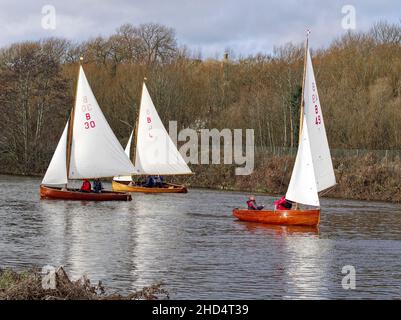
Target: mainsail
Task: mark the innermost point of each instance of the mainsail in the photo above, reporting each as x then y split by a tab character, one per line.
156	153
95	150
313	168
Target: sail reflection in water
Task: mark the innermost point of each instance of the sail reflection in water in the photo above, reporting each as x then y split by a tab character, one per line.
81	236
299	266
192	244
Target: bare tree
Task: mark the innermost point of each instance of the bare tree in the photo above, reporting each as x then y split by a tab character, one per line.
130	44
32	102
386	33
157	42
97	50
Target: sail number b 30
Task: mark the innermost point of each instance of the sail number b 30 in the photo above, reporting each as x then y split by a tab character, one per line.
86	108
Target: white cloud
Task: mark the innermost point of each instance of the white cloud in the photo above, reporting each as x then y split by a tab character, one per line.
246	26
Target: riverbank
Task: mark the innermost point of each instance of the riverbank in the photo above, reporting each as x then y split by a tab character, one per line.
365	177
31	284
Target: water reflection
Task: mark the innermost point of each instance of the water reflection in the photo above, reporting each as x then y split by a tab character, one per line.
300	268
89	239
278	230
193	244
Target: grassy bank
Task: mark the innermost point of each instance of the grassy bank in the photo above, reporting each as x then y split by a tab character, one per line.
28	285
365	177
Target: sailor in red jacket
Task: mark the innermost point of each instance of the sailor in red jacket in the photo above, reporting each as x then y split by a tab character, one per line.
283	204
86	186
252	204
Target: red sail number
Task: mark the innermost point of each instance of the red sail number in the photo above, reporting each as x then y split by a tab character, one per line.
90	124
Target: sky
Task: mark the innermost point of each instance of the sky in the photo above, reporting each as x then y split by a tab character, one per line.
210	27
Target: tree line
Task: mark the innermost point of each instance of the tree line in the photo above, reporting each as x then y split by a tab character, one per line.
358	77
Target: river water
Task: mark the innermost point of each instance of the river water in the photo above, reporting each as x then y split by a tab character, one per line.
193	244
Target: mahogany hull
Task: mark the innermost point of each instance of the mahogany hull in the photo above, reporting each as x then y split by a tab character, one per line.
75	194
171	188
280	217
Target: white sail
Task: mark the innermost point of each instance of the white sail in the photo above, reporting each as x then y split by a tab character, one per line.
313	168
155	151
324	173
302	187
95	150
57	171
128	153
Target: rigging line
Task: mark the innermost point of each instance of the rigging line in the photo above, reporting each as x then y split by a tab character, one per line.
326	191
285	171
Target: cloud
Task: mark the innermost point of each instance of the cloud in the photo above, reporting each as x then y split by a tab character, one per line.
245	26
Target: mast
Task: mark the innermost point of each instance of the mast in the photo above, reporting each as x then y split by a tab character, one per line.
136	125
71	124
301	113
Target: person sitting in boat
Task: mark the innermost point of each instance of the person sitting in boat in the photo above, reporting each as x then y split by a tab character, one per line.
252	204
159	181
150	182
97	185
86	186
283	204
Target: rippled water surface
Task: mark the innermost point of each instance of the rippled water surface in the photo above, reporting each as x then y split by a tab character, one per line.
193	244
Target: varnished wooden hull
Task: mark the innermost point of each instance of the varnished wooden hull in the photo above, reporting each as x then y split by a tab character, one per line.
280	217
171	188
75	194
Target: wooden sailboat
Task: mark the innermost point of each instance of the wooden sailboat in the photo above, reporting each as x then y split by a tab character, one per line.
155	152
313	169
307	217
87	149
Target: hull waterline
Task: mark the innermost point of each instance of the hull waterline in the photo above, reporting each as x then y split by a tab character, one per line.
170	188
307	217
74	194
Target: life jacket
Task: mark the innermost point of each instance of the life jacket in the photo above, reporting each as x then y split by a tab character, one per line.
282	204
251	204
86	186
